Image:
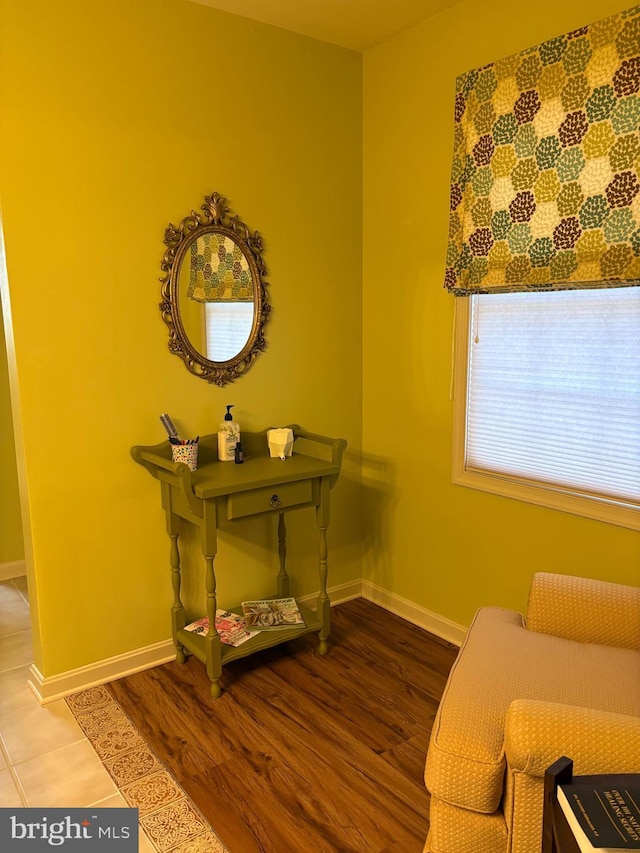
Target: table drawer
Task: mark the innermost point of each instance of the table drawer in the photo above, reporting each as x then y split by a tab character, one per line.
283	496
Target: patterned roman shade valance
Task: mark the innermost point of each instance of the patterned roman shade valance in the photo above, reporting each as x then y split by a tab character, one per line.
218	271
545	189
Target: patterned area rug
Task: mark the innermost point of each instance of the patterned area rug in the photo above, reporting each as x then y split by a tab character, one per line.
168	817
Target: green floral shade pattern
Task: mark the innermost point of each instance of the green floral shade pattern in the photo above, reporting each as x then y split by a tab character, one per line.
218	271
545	189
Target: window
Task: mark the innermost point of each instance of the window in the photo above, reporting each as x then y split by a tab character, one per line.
548	399
227	328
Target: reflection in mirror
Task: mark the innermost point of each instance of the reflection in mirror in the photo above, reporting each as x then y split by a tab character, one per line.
215	302
227	328
216	296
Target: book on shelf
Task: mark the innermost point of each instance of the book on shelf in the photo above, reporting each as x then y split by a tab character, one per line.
603	812
271	614
231	628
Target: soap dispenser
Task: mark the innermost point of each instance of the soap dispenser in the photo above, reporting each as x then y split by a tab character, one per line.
228	437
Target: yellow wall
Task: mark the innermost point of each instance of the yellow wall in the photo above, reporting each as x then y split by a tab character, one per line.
11	545
115	121
444	547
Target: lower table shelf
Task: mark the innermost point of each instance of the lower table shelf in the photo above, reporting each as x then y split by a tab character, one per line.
197	643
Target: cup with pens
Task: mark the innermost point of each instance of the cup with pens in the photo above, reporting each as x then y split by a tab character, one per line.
182	450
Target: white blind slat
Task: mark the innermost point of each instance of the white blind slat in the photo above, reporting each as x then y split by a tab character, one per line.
554	389
227	328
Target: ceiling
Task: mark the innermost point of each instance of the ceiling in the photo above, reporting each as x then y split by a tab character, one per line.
356	24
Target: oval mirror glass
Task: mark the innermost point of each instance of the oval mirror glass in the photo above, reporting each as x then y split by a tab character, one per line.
214	296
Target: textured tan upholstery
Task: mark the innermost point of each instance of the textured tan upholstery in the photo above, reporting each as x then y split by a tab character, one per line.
517	699
582	609
465	832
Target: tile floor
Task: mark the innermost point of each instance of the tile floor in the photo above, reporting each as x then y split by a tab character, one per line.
45	759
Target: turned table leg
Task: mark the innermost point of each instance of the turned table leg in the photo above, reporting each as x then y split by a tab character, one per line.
212	639
209	547
283	577
177	608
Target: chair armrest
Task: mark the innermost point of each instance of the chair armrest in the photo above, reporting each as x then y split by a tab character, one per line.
538	733
586	610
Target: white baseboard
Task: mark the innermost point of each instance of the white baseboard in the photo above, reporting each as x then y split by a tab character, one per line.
57	686
414	613
337	594
16	569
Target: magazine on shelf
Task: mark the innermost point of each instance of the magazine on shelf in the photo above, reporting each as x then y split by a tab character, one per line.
603	815
272	614
231	627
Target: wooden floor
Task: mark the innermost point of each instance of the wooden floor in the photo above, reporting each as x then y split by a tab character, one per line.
305	754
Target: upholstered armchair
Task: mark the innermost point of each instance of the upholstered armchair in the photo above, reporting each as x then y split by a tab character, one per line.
521	694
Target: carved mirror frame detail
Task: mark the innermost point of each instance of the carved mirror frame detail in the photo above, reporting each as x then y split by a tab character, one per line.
215	218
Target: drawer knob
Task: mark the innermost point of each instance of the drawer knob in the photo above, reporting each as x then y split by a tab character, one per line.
275	501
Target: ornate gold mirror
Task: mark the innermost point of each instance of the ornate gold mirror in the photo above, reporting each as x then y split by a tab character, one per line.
214	296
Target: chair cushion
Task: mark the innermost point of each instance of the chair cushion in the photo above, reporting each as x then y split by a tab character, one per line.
500	661
586	610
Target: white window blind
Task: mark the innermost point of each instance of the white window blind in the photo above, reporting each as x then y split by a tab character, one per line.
227	328
553	393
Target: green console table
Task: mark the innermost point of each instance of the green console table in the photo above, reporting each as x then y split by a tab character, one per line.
218	493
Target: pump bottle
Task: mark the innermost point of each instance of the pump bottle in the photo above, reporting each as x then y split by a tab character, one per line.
228	437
